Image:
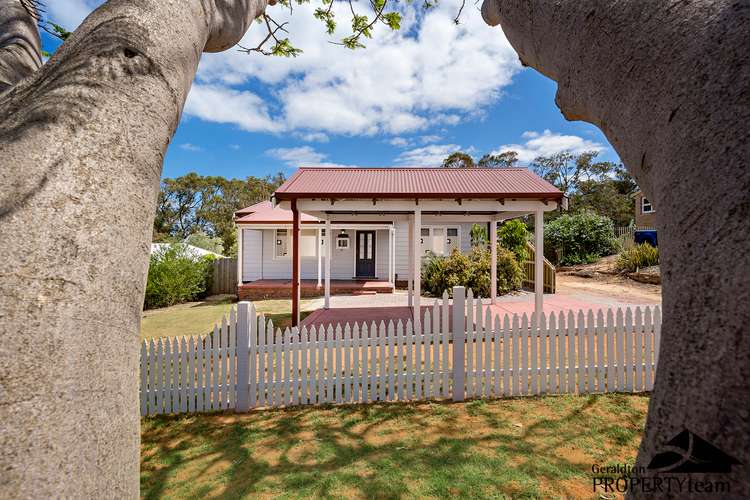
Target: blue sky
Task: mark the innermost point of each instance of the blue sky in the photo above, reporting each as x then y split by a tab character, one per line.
410	98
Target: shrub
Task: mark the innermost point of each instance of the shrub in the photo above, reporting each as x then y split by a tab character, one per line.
580	238
202	240
471	270
175	276
478	235
638	257
512	235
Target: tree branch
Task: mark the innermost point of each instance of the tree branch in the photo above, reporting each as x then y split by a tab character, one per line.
20	47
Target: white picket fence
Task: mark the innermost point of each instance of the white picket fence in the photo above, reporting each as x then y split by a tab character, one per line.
360	363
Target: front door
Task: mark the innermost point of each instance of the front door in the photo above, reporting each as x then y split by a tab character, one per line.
365	254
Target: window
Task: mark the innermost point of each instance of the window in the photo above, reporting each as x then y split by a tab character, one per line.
281	245
439	240
646	207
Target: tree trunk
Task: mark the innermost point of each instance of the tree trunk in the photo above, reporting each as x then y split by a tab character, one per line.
81	148
20	48
667	82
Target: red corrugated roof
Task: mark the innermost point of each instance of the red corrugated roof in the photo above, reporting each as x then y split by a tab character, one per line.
416	182
265	213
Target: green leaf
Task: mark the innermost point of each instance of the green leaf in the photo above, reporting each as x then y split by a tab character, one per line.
285	49
393	20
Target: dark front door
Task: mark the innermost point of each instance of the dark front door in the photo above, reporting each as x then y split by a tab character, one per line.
366	254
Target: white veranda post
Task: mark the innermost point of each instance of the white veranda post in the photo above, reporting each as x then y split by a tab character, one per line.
329	254
410	273
538	262
319	254
417	256
493	260
239	256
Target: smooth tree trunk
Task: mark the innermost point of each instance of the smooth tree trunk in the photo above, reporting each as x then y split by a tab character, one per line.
81	148
667	82
20	47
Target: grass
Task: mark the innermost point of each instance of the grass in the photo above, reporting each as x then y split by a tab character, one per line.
198	318
524	447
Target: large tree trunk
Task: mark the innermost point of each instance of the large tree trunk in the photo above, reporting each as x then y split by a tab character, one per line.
667	82
81	149
20	48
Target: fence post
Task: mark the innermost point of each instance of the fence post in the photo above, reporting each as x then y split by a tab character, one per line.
243	383
459	338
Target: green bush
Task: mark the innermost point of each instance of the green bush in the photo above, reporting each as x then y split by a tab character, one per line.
513	235
580	238
478	235
471	270
638	257
175	276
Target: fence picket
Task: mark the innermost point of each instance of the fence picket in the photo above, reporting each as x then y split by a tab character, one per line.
215	347
552	383
619	339
183	376
153	367
144	384
478	348
590	355
516	356
487	339
496	348
390	366
357	372
524	369
506	356
543	366
428	365
628	334
232	360
600	338
581	334
339	353
611	353
638	357
328	398
445	328
571	355
192	385
533	362
648	341
399	360
561	350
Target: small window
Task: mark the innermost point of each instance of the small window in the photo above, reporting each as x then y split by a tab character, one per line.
453	231
282	243
425	231
646	207
342	243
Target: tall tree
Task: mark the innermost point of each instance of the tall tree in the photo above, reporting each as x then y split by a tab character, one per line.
500	160
82	142
667	85
459	159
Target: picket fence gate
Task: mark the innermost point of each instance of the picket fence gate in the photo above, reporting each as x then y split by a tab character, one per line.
488	357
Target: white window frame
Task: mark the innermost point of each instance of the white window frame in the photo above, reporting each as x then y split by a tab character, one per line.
276	237
644	203
445	228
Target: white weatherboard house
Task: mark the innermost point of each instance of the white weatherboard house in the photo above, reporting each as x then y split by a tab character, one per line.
363	229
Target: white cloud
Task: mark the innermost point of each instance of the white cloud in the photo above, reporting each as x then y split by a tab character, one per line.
432	71
429	139
190	147
312	136
427	156
399	142
297	157
547	143
224	105
236	147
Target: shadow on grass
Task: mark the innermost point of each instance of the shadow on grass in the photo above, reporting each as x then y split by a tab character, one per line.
469	450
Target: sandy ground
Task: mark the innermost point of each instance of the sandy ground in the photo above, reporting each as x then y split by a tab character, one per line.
603	283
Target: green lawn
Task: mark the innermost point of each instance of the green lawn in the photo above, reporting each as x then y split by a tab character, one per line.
524	447
198	318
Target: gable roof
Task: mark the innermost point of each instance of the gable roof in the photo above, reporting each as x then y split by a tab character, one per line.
316	182
265	213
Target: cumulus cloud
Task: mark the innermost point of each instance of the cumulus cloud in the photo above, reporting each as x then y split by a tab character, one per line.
427	156
224	105
70	13
548	143
432	71
296	157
